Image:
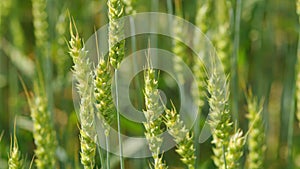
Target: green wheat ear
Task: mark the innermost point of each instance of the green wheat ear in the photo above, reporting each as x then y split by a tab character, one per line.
116	32
219	118
43	130
256	135
235	150
222	40
182	137
83	75
14	161
103	99
204	16
153	117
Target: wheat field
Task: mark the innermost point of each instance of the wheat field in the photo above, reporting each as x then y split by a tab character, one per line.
62	101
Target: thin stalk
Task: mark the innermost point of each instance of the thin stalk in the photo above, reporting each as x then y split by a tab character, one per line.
234	59
136	79
290	132
100	156
107	152
118	121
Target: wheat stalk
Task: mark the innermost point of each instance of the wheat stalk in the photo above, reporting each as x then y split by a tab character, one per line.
83	75
182	137
256	135
153	117
298	68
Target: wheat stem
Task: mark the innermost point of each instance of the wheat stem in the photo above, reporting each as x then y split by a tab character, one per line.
118	121
298	68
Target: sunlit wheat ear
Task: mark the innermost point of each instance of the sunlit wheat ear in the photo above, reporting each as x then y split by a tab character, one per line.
204	15
61	57
201	79
222	39
129	10
102	92
83	75
40	23
14	161
219	117
235	150
182	137
43	131
256	133
116	32
153	117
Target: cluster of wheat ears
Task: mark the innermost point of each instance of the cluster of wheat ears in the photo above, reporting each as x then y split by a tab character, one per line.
94	86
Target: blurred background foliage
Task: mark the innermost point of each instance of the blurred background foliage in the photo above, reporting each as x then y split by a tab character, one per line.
266	62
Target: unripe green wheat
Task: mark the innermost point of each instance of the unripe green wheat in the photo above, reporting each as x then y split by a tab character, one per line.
83	75
116	32
129	10
43	132
256	136
219	118
153	117
15	161
222	38
103	99
40	23
205	15
235	150
61	56
184	140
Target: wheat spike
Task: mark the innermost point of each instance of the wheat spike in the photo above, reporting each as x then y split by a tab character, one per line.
83	75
